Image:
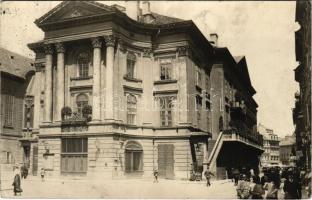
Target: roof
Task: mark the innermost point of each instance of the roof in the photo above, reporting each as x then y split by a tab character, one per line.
238	58
100	8
162	19
15	64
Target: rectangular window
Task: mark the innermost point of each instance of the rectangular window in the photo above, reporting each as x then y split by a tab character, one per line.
198	107
166	105
83	69
131	109
74	155
166	69
8	110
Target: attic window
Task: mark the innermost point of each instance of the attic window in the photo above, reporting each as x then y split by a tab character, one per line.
12	57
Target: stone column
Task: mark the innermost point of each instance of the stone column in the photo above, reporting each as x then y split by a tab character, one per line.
110	44
96	97
48	84
59	100
37	105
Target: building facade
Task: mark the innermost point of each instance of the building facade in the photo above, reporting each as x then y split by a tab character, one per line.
125	91
16	72
271	154
288	150
302	110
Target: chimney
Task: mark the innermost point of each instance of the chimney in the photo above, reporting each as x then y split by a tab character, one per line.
214	39
146	8
132	9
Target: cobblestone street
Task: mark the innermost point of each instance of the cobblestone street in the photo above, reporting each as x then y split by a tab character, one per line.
131	188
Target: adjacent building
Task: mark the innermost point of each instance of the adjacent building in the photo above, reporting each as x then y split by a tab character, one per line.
16	72
302	110
123	91
271	154
288	150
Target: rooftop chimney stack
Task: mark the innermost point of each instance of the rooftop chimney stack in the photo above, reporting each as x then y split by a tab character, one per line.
133	9
214	39
146	8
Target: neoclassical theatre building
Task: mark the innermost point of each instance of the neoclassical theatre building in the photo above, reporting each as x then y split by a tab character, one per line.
122	91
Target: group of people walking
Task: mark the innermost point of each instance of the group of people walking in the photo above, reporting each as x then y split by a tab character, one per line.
273	184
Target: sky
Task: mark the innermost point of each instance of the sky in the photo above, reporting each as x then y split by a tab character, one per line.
262	31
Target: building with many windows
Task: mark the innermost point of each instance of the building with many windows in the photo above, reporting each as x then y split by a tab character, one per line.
125	91
16	72
288	150
271	154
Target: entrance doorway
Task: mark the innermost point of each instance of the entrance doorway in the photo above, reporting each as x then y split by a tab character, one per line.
166	160
133	158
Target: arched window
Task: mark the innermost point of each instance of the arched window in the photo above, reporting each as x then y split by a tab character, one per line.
81	101
131	109
133	157
131	60
83	61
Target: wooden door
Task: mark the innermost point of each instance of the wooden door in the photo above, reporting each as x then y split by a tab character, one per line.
166	160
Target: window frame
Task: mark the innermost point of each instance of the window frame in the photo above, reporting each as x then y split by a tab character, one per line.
166	66
81	103
83	70
131	65
132	101
166	110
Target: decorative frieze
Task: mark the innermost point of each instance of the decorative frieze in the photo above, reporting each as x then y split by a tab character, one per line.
96	42
48	49
110	40
60	48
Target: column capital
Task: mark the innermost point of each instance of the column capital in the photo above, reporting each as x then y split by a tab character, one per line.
110	40
48	49
121	45
60	48
38	66
147	52
96	42
183	51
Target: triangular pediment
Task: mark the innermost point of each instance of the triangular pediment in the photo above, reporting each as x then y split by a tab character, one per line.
73	9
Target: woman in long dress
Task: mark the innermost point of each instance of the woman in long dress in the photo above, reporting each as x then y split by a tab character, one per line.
17	182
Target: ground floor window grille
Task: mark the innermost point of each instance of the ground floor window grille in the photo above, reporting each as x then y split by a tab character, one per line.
133	158
74	155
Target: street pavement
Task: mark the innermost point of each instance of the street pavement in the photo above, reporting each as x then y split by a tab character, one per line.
33	187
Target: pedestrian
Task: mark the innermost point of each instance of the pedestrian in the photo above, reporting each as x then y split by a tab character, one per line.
155	173
42	173
24	171
272	188
17	182
243	188
257	191
236	176
208	175
291	188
